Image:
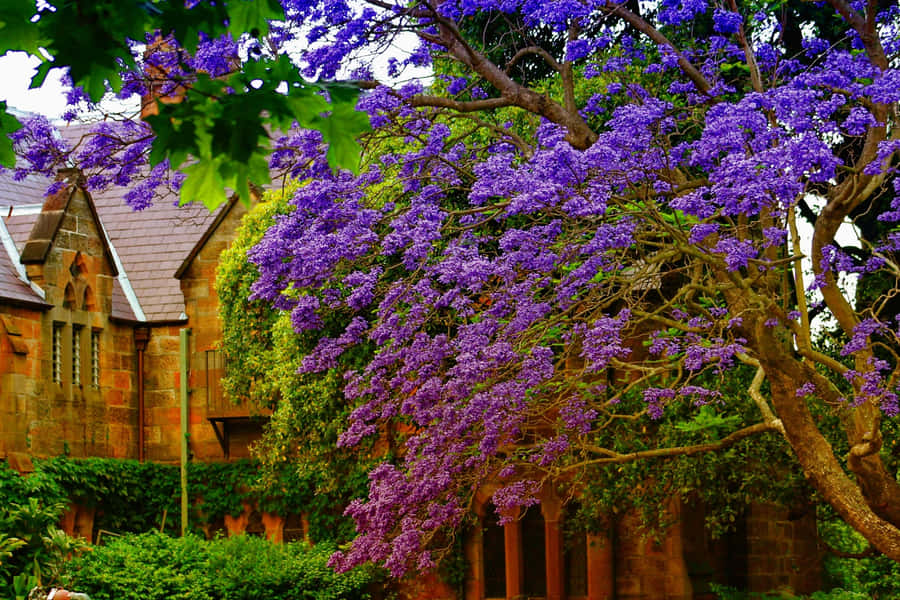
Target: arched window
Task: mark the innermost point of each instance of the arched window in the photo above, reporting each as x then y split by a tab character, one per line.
255	526
69	297
88	302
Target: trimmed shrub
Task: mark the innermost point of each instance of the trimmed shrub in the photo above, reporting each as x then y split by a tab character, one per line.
154	566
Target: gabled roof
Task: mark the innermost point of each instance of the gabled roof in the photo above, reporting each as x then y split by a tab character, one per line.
146	247
152	244
149	248
220	215
47	223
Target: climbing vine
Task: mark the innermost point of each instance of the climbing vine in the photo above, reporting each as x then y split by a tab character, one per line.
130	496
264	354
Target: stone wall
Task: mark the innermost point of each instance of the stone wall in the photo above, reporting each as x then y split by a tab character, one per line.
49	409
21	381
162	385
782	550
162	374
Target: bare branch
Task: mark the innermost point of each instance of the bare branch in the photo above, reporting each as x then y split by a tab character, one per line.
535	51
725	442
461	105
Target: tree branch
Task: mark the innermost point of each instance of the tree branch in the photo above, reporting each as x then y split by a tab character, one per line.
726	442
579	134
535	51
654	34
465	106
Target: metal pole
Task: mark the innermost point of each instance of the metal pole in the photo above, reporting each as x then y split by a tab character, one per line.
185	368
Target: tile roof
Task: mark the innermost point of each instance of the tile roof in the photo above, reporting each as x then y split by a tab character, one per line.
14	195
26	191
121	308
150	244
12	285
14	289
19	226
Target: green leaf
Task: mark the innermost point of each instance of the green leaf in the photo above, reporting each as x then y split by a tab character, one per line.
106	24
187	23
258	169
305	105
204	184
238	133
17	32
37	80
342	127
8	124
252	16
175	139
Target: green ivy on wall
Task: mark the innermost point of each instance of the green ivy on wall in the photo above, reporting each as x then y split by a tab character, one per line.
130	496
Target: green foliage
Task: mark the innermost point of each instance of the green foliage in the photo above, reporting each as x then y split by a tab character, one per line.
710	422
757	469
876	576
32	547
22	584
727	593
219	122
224	130
130	496
8	124
154	566
263	354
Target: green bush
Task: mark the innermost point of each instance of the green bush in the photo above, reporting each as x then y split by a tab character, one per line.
32	548
154	566
728	593
876	576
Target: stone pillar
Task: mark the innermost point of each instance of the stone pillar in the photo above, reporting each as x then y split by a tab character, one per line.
84	523
274	525
551	510
474	552
512	538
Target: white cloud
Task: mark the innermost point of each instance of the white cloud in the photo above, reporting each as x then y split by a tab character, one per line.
16	70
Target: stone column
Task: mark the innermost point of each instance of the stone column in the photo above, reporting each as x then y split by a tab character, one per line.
553	549
512	538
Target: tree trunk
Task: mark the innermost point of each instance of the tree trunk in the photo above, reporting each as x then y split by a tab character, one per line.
816	456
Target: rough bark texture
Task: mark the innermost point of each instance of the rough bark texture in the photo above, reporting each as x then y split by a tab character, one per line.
816	455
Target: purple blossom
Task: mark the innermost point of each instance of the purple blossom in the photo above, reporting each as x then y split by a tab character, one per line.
726	22
861	333
701	231
484	267
807	389
603	340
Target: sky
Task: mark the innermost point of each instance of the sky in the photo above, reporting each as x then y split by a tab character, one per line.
16	69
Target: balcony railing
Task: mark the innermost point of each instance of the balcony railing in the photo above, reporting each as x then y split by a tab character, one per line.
221	410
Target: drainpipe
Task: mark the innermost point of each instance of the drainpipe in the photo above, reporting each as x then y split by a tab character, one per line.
184	368
141	337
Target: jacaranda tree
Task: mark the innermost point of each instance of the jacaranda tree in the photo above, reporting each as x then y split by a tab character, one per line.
593	212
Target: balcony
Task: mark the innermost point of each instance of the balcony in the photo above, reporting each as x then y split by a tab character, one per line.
222	412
